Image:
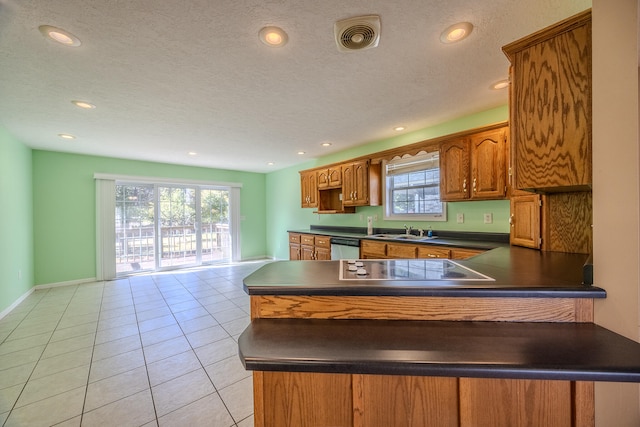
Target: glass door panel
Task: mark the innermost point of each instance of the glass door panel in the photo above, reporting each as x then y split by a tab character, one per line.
177	226
135	228
214	225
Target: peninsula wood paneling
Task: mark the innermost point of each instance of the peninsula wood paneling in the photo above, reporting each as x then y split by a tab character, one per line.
567	222
294	399
423	308
515	403
408	401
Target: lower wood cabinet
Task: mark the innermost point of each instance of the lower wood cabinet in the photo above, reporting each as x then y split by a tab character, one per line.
297	399
375	250
309	247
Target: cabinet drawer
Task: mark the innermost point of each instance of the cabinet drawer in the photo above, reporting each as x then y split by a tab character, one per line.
294	238
432	252
464	253
401	251
371	249
307	239
323	241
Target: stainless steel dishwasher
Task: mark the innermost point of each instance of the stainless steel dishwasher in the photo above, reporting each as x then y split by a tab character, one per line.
345	248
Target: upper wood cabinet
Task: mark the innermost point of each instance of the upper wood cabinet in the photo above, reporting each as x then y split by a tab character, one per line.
309	189
550	107
360	184
474	168
454	170
330	177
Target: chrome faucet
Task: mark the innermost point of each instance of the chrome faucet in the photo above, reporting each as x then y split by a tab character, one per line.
408	229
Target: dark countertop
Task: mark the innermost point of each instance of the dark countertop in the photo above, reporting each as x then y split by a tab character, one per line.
557	351
459	239
518	272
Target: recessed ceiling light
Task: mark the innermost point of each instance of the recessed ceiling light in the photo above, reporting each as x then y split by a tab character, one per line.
270	163
66	136
192	153
83	104
501	84
301	152
326	144
399	128
273	36
59	35
456	32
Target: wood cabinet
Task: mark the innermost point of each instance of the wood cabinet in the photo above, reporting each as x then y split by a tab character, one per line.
340	188
294	247
309	247
309	189
370	249
550	107
525	220
357	187
474	167
330	177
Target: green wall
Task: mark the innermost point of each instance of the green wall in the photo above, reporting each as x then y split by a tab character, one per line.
283	192
64	209
16	220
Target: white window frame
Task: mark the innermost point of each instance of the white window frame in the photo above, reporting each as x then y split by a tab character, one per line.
407	161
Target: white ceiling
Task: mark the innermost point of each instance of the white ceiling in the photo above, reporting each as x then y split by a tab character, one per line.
169	77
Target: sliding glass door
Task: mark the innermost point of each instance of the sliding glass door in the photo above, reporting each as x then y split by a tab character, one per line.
171	226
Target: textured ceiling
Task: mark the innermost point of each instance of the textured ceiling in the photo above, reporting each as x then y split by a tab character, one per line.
170	77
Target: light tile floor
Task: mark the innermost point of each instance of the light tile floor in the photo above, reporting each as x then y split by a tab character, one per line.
150	350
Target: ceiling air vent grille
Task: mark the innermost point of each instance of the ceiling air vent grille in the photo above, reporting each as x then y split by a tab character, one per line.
358	33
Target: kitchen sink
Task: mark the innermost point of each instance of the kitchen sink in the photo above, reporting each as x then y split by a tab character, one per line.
401	237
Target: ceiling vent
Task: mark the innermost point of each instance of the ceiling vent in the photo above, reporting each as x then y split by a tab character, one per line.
362	32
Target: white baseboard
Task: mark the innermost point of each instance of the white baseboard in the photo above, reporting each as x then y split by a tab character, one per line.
67	283
16	303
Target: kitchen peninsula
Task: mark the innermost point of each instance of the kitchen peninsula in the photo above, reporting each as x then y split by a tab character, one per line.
360	352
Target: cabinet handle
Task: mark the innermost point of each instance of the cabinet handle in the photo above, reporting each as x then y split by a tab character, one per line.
512	220
355	195
464	186
475	190
432	256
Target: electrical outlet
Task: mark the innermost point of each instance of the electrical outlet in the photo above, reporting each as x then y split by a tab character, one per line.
375	218
460	218
488	218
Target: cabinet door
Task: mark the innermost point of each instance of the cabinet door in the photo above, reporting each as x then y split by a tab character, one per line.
401	251
454	170
294	251
309	189
323	254
370	249
525	220
551	107
355	184
489	165
334	177
361	183
307	253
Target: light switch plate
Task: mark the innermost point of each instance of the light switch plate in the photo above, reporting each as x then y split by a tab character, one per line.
488	218
460	218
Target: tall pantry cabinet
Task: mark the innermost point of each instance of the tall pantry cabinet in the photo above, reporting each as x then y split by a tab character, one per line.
550	122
